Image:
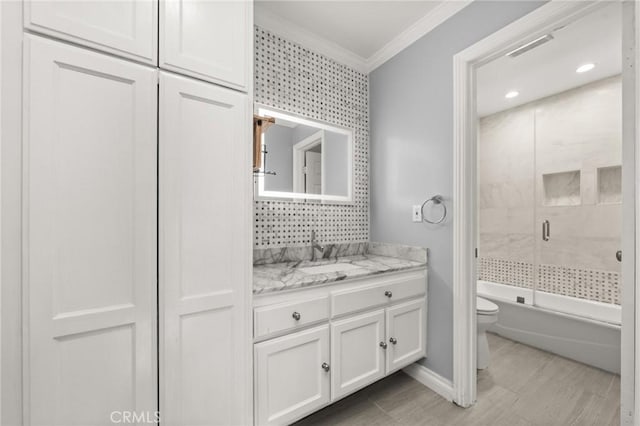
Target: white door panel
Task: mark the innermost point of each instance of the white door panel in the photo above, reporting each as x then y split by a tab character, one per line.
209	40
406	326
90	235
313	173
356	355
290	379
204	253
127	28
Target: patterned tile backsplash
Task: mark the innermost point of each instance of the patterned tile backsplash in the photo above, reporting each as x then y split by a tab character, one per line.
600	286
295	79
519	274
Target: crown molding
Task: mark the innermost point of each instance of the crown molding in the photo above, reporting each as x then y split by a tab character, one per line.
292	32
284	28
426	24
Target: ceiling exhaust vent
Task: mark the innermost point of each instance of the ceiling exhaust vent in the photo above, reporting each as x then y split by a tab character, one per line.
529	46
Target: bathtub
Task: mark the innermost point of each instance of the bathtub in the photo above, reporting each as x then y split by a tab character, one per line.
582	330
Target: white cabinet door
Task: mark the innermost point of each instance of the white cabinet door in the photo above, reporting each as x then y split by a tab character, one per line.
89	212
357	352
406	334
204	252
291	380
127	28
209	40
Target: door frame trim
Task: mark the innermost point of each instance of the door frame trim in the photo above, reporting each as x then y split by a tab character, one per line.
299	149
465	64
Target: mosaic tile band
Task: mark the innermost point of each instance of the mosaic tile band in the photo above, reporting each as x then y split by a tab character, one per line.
599	286
292	78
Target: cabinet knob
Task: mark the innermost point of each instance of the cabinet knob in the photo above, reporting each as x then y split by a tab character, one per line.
383	345
388	294
393	340
296	316
325	366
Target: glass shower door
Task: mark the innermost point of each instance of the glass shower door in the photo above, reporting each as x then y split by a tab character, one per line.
578	157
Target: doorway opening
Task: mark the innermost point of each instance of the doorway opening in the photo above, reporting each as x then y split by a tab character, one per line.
308	167
541	185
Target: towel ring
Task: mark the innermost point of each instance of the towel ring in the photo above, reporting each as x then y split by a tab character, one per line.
436	199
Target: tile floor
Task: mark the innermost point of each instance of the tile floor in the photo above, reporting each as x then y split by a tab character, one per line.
523	386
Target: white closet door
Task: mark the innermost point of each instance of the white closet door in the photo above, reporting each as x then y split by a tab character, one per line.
89	235
205	255
126	28
209	40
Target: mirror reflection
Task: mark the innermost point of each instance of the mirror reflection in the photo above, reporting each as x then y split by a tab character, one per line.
305	159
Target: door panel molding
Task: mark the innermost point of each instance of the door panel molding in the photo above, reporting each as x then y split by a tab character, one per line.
89	241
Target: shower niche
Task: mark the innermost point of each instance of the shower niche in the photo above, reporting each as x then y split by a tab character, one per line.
561	189
610	185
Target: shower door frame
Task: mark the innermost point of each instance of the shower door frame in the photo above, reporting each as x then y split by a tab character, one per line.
465	181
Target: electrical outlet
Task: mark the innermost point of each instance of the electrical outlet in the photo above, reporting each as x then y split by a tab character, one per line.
417	213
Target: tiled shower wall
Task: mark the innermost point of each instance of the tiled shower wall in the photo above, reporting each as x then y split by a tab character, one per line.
554	159
292	78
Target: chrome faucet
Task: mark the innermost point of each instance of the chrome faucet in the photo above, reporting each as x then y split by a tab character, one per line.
314	246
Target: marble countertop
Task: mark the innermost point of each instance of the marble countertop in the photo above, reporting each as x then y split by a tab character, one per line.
373	259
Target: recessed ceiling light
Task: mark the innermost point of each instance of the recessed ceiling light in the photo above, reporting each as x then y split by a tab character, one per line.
511	94
585	68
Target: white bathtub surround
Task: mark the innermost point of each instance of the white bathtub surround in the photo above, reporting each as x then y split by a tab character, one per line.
578	329
299	272
589	284
557	159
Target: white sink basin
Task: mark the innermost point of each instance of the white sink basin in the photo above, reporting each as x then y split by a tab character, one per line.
326	269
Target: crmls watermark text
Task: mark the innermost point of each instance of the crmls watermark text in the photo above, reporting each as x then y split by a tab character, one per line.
134	417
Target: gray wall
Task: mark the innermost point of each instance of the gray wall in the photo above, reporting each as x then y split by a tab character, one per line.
279	142
411	103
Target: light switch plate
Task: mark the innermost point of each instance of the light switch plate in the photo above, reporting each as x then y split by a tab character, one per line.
417	214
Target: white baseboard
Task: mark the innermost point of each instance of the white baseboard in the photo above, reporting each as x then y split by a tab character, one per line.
432	380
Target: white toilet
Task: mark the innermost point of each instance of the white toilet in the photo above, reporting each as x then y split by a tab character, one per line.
487	314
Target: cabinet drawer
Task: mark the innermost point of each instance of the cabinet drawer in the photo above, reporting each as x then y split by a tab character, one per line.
359	299
272	319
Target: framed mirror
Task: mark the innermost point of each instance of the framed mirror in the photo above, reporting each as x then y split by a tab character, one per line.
304	159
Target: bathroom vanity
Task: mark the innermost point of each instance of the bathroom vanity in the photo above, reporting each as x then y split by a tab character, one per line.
328	319
325	329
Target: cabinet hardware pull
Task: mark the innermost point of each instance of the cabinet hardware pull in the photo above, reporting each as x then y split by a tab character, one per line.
393	340
388	294
296	316
325	366
545	230
383	345
619	255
